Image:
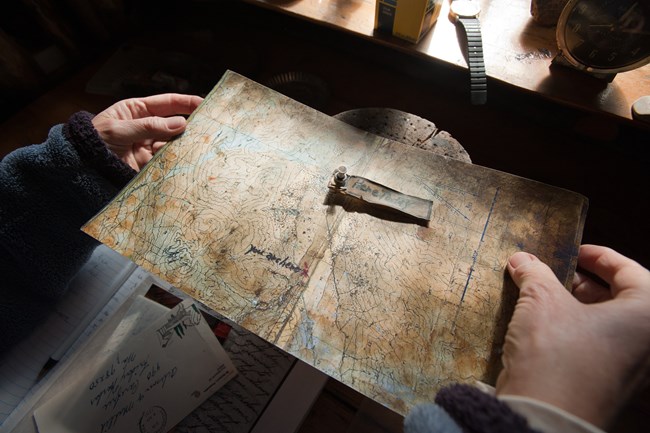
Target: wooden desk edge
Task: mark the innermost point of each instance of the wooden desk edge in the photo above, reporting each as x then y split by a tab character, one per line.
529	56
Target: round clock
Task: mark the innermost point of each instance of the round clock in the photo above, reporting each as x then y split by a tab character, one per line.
605	36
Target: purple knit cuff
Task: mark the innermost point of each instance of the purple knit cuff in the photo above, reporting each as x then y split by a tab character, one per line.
92	150
477	412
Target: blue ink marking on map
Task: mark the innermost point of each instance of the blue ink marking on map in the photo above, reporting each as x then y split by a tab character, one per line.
475	255
445	202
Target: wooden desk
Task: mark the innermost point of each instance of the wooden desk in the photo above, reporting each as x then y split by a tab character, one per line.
517	51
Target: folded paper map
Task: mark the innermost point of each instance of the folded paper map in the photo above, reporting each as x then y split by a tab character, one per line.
237	213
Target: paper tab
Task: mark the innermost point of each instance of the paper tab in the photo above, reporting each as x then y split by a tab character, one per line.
379	195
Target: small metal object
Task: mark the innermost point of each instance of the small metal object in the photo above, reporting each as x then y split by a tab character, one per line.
641	109
339	178
341	173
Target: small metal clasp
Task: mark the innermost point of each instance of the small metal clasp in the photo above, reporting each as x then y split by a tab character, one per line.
339	178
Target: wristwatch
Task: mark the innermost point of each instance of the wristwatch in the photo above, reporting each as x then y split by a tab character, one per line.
465	13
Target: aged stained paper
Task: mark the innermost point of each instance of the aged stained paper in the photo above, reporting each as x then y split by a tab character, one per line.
234	212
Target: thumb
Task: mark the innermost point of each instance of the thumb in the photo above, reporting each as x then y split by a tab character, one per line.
532	276
153	128
161	127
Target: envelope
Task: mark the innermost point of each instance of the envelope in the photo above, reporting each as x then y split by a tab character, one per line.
149	384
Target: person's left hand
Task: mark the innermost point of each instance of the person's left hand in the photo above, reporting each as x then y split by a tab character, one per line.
135	129
587	352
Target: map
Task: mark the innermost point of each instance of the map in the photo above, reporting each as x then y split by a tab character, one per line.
235	213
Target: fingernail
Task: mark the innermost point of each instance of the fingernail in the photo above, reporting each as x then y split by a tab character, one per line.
175	122
520	258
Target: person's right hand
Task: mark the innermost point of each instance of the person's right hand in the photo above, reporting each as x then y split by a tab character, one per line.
136	128
585	354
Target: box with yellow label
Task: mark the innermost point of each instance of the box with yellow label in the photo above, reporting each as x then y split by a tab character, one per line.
406	19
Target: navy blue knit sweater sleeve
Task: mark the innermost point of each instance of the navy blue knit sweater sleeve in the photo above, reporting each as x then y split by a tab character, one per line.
47	192
464	408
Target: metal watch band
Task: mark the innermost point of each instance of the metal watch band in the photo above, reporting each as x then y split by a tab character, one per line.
478	79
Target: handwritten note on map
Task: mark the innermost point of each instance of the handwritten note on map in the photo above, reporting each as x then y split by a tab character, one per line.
234	213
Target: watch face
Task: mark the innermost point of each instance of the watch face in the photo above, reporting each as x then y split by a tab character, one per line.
465	8
605	35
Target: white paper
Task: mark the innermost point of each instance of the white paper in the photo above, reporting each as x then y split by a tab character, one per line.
88	292
146	386
136	284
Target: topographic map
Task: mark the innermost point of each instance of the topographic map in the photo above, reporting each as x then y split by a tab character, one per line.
235	213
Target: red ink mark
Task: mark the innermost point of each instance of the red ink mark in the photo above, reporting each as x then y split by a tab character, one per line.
305	270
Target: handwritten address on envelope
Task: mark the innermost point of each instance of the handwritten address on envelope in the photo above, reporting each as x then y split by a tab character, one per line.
149	384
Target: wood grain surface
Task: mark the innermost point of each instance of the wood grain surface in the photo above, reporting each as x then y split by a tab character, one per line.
517	50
